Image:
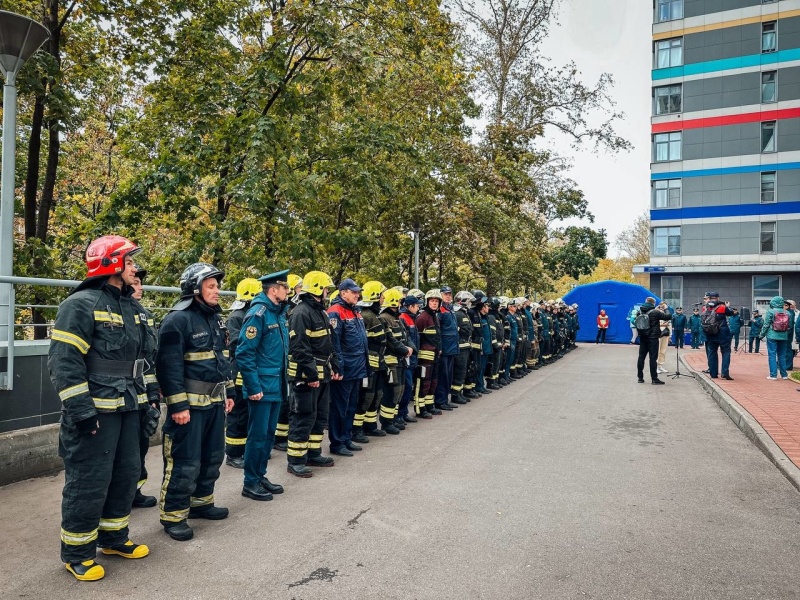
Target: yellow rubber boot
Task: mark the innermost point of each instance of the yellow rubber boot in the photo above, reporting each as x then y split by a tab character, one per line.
128	550
88	570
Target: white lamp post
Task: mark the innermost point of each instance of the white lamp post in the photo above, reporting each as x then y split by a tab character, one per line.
20	38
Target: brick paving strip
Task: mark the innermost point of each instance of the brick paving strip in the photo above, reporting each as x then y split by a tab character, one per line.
767	412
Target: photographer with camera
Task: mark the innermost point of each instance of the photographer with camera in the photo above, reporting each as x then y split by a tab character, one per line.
718	335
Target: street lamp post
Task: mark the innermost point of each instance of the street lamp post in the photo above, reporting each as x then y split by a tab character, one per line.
20	38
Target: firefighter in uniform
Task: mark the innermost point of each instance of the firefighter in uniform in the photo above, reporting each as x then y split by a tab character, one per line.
408	318
487	350
261	356
450	351
496	327
350	344
545	318
195	376
295	283
97	364
430	345
148	411
312	366
236	423
396	351
463	302
476	345
512	330
365	422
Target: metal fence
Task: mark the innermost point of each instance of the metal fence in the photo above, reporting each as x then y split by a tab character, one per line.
13	319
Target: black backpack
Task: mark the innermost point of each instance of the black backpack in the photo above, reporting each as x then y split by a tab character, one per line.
709	322
642	323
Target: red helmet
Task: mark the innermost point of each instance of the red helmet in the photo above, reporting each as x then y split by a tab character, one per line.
106	255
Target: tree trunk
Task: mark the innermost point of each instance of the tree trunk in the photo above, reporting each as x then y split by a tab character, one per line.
32	174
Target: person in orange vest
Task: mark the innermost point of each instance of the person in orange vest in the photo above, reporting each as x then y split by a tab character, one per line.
602	326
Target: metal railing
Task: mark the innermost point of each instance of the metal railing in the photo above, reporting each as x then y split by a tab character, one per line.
10	317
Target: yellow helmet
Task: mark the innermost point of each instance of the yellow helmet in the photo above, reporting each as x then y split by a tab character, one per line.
333	295
391	298
372	291
293	281
314	282
247	289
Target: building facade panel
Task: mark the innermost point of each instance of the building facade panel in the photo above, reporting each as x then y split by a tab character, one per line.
697	8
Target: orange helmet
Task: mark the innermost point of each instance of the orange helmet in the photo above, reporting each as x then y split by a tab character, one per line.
106	255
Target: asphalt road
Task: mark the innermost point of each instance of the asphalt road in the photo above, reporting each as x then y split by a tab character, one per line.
575	482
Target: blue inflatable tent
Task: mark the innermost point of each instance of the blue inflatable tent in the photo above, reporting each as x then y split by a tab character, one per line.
618	299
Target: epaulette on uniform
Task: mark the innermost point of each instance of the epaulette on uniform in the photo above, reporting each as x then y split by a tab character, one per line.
261	310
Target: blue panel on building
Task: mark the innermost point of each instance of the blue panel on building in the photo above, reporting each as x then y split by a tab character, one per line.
726	210
616	298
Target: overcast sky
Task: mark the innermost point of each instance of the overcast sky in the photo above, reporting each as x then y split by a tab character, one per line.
611	36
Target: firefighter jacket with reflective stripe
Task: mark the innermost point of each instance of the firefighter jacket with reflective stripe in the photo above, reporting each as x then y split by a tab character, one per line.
497	340
430	340
193	365
477	337
523	325
409	323
376	337
349	339
234	324
487	335
262	350
513	329
311	355
449	327
529	320
464	328
150	379
98	321
396	348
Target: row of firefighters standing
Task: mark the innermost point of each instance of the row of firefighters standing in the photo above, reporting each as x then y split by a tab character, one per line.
282	370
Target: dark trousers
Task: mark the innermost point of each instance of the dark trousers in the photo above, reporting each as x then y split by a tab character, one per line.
308	417
425	385
757	341
282	430
369	398
343	406
648	346
261	423
392	390
724	348
459	371
100	474
193	454
236	426
695	339
473	365
680	334
444	381
408	390
144	446
494	372
735	341
482	373
601	336
509	352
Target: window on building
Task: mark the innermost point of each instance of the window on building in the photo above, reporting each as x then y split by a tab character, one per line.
768	237
672	291
667	241
768	136
669	53
667	99
769	87
667	193
768	181
769	36
667	146
669	10
765	288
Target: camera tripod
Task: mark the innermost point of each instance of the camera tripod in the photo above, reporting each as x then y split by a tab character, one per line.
677	372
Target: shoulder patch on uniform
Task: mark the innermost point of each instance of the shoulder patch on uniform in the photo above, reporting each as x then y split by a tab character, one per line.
251	332
334	322
261	310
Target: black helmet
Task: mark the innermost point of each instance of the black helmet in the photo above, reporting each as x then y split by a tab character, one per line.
194	275
141	272
480	297
494	303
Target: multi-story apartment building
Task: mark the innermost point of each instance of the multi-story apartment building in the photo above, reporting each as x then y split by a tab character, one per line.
725	137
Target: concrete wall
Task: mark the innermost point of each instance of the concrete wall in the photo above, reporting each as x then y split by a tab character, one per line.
33	401
714	93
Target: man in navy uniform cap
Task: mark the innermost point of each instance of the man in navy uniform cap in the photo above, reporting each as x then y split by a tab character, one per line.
262	360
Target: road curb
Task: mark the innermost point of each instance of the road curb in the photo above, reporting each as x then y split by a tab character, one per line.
749	426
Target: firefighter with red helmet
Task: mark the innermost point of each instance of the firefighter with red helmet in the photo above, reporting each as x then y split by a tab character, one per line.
97	365
194	371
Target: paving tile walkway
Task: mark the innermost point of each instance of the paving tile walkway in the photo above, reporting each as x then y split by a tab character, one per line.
774	404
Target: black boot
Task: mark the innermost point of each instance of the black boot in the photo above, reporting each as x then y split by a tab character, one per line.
142	501
299	471
210	512
320	461
282	446
235	462
358	435
180	531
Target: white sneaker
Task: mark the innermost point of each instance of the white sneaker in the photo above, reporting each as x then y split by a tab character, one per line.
782	377
771	378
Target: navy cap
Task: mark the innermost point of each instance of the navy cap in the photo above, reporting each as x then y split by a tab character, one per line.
278	277
446	289
707	294
349	284
713	294
411	300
